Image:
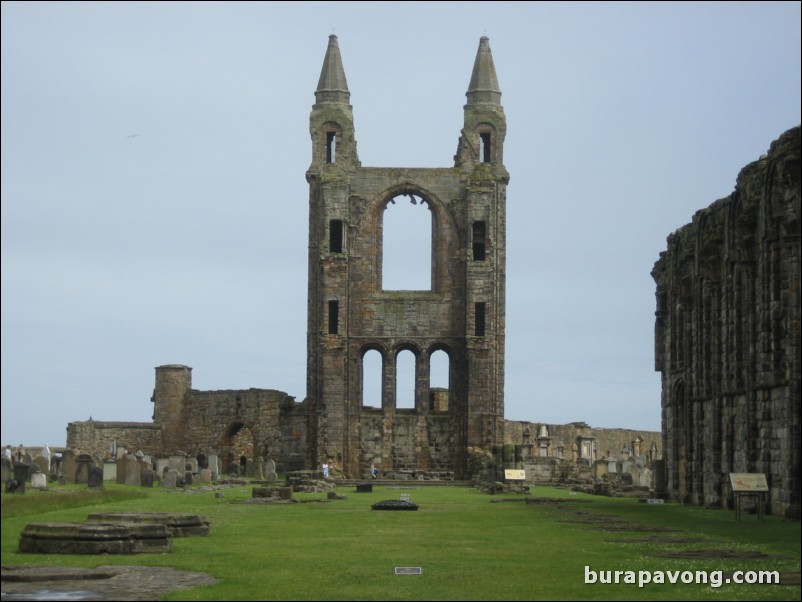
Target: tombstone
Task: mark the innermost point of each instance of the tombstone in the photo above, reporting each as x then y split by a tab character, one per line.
68	467
82	464
38	480
170	479
15	486
146	478
131	471
161	465
213	462
191	465
96	477
253	470
270	471
21	472
233	469
626	478
259	470
42	464
188	478
5	469
122	467
205	476
364	487
110	470
178	463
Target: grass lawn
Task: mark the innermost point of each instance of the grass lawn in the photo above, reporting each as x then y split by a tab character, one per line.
469	545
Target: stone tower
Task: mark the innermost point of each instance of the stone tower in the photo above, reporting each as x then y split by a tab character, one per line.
350	313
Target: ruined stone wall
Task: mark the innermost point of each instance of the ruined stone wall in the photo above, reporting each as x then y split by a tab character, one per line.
727	337
565	441
212	419
414	435
98	438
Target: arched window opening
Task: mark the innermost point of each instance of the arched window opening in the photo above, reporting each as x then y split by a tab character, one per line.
407	244
484	146
372	379
439	383
405	380
331	147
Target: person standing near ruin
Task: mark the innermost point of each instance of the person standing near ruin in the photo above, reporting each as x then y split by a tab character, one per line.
19	457
8	453
373	471
325	467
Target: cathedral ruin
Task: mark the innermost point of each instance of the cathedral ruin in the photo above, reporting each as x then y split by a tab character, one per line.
727	338
352	313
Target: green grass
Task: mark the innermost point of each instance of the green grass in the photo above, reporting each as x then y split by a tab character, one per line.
470	546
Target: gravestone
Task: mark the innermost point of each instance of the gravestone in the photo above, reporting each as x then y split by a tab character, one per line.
270	470
68	467
187	478
364	487
233	469
110	470
21	472
5	469
96	476
131	471
38	480
178	463
161	465
122	467
146	478
82	465
205	476
214	465
170	479
42	464
15	486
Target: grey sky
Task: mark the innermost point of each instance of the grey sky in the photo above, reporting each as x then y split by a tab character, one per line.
154	205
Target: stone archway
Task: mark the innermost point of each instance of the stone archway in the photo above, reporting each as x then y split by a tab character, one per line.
238	442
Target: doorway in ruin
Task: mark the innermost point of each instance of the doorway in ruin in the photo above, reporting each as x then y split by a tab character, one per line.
238	444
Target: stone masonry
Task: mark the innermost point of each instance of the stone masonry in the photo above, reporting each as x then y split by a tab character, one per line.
350	312
727	338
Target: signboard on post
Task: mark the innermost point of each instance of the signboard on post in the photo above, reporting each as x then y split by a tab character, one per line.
748	485
514	475
748	481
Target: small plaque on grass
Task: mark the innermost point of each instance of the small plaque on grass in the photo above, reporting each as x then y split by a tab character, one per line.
408	570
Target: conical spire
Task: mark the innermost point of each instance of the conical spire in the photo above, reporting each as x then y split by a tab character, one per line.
484	83
332	86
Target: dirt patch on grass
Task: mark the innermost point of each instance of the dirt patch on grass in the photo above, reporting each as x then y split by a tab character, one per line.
659	539
124	583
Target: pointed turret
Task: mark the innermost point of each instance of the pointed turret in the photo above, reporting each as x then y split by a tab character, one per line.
332	86
332	121
484	83
482	139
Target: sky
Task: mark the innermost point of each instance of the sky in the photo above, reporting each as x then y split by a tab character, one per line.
155	207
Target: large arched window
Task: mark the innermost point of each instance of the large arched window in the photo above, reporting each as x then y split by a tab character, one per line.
405	380
372	379
407	244
439	383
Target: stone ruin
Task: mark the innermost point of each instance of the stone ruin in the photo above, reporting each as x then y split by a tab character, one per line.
113	533
727	338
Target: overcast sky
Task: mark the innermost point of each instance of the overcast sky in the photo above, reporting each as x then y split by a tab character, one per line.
154	204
